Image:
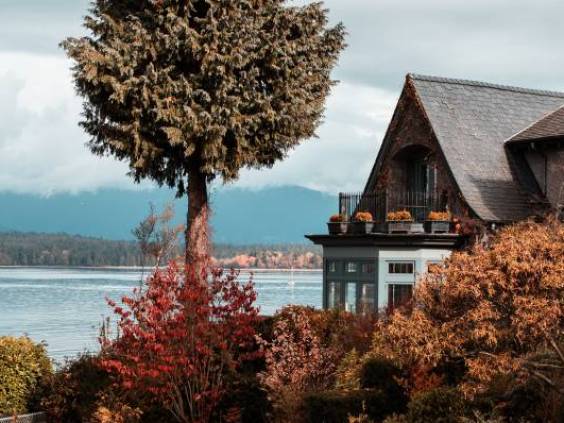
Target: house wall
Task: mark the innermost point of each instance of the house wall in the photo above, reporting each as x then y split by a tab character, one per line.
413	129
380	258
420	257
548	168
555	177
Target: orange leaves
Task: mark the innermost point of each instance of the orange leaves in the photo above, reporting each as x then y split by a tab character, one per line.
489	307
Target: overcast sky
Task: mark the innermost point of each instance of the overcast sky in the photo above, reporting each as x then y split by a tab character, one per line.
513	42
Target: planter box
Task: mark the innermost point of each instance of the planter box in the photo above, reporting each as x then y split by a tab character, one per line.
437	226
361	227
396	227
336	228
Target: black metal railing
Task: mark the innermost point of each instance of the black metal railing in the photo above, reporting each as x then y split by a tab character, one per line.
379	204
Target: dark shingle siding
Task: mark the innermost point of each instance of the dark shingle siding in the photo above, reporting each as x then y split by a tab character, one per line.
472	120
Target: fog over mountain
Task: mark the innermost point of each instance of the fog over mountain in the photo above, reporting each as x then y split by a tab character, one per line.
274	215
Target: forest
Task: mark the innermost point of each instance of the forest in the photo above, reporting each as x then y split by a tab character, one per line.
40	249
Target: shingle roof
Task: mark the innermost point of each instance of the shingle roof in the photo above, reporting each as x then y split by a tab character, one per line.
550	126
472	120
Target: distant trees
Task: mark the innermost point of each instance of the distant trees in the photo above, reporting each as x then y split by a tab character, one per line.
187	91
29	249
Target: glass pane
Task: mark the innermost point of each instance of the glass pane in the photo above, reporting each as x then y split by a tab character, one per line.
331	266
399	295
368	268
334	295
350	297
400	267
367	294
351	267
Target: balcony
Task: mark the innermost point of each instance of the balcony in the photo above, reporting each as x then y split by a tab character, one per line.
414	206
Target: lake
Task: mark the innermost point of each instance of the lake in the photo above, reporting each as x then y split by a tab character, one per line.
65	307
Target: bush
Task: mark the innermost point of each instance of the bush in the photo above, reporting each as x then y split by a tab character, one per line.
74	391
24	368
504	301
441	405
338	406
379	373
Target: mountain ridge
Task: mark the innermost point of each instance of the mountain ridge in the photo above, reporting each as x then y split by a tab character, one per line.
239	216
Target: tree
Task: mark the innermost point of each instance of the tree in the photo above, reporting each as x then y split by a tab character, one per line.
490	307
156	238
187	91
179	338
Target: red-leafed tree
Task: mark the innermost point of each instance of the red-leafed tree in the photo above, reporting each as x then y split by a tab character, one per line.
179	337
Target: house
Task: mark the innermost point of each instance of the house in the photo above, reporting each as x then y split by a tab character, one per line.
485	154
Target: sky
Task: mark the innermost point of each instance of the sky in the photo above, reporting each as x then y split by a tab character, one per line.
42	149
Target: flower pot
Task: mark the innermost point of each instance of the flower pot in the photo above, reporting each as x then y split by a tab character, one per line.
437	226
361	227
336	228
404	226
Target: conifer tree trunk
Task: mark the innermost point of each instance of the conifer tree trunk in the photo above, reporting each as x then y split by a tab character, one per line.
197	237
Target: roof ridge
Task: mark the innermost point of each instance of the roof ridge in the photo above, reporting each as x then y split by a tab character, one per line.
455	81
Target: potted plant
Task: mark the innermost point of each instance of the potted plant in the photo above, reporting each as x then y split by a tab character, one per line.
438	222
362	223
402	221
338	224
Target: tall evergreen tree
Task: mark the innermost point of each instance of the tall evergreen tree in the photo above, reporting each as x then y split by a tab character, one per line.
187	91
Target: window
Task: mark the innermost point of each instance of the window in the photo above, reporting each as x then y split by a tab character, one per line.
399	295
350	297
405	267
332	266
367	268
367	298
334	295
351	267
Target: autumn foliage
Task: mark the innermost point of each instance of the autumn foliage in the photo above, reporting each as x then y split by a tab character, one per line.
178	339
485	310
305	350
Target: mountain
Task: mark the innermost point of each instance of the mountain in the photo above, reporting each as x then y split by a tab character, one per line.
266	216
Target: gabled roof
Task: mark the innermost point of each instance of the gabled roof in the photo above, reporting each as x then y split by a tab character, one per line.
549	127
472	120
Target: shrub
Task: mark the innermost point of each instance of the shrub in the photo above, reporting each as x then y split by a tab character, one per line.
380	373
441	405
179	338
338	406
487	309
336	218
75	389
247	400
24	368
296	360
363	217
401	215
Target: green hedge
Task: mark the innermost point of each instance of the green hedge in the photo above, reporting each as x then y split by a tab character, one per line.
337	406
24	368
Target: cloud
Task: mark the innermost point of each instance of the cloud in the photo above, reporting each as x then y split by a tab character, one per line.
42	149
515	42
341	157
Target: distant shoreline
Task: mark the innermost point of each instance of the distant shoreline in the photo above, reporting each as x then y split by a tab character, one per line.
137	268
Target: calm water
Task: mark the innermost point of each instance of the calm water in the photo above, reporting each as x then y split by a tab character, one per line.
65	307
